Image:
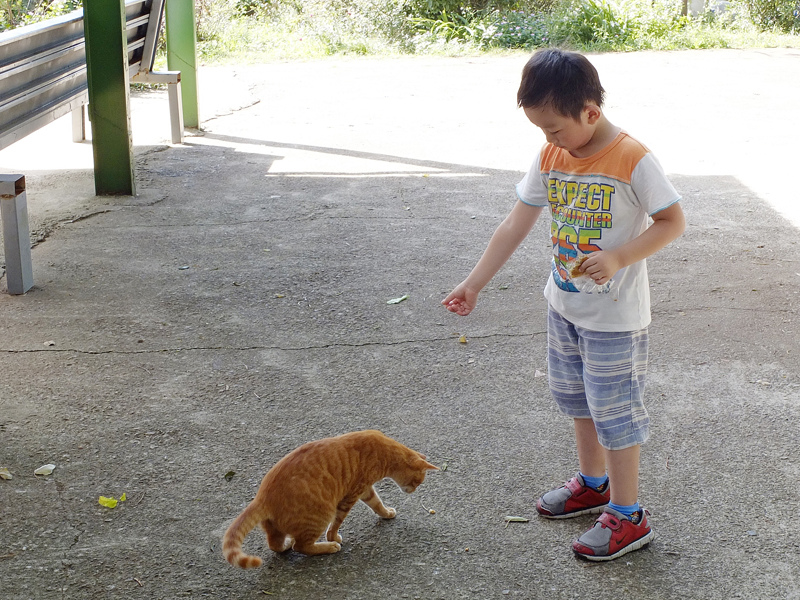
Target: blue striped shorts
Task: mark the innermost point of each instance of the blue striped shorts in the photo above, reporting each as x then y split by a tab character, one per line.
600	375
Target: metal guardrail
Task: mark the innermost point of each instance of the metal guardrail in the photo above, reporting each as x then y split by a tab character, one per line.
43	71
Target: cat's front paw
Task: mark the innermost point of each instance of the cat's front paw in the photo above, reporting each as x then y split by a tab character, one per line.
390	513
336	537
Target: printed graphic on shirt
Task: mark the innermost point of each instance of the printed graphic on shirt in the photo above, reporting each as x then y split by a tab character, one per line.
584	199
581	212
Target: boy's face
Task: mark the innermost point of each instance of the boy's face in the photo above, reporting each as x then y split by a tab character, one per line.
565	132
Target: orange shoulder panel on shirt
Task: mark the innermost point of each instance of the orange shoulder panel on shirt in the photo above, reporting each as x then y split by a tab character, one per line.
616	161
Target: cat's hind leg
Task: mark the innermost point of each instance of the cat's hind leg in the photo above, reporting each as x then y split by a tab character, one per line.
371	499
277	540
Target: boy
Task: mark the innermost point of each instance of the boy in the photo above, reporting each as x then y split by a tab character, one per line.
601	187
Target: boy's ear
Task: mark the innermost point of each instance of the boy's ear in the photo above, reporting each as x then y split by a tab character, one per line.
593	113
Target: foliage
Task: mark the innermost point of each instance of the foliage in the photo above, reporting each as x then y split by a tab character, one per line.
14	13
515	29
283	29
597	24
779	15
436	9
297	27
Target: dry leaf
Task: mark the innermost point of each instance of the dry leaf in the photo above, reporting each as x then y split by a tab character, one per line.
516	520
463	339
44	470
5	474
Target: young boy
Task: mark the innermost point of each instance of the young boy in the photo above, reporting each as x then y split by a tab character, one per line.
601	188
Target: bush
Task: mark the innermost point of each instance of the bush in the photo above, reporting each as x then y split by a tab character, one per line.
299	28
780	15
15	13
516	29
434	9
284	29
595	24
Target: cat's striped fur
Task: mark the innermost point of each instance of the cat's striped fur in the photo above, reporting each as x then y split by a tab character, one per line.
311	490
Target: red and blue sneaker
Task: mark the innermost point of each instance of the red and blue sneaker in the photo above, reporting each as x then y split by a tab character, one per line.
613	535
572	499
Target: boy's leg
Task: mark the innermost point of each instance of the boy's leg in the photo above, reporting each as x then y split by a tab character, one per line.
622	465
565	368
591	455
614	376
623	475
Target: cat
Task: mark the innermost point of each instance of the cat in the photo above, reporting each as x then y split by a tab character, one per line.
312	489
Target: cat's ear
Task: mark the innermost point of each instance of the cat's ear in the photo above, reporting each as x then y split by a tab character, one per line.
427	465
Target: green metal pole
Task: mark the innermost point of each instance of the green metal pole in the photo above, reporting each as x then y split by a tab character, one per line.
182	54
109	96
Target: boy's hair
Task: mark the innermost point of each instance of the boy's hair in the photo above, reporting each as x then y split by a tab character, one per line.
566	81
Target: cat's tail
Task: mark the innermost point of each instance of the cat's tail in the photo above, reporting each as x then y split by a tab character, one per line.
234	537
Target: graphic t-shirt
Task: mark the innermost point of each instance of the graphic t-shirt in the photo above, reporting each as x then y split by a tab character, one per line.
598	203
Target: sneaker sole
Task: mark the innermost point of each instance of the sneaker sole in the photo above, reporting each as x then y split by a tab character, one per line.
587	511
640	543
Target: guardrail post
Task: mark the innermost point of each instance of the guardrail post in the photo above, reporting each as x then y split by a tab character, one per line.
109	98
182	54
16	234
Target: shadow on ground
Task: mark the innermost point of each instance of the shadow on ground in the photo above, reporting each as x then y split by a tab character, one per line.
237	307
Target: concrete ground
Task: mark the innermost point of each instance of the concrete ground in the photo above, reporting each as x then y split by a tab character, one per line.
237	307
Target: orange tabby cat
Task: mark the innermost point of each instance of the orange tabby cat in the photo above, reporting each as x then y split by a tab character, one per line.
312	489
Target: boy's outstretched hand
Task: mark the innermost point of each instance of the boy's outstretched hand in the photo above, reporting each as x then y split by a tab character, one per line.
461	300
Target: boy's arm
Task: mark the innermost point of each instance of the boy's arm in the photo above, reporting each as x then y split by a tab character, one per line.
668	224
507	237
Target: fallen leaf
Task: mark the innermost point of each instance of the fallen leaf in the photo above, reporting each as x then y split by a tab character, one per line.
463	339
44	470
5	474
517	519
229	475
398	300
123	498
108	502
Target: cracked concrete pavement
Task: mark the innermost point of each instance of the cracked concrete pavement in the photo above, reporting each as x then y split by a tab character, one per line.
237	307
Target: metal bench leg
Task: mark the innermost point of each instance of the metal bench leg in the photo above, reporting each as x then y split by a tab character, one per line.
16	234
175	112
79	124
